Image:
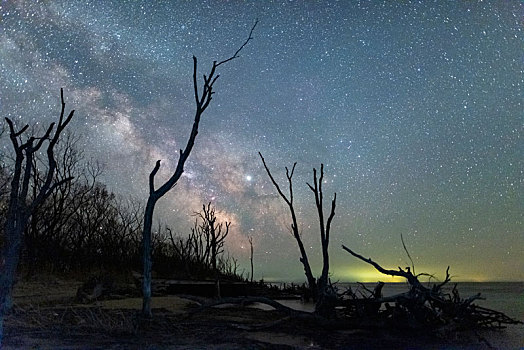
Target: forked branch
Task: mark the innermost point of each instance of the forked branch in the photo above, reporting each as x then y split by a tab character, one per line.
294	223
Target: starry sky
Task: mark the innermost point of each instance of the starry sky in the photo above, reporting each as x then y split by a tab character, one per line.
415	109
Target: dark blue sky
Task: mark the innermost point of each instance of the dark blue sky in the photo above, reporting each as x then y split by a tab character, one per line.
415	108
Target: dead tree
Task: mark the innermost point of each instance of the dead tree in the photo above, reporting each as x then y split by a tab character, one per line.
214	233
202	101
319	289
50	228
251	257
201	251
312	284
20	206
325	293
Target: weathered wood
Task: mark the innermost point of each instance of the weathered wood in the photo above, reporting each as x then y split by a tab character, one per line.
202	101
423	307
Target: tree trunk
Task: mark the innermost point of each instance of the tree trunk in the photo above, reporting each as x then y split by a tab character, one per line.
251	246
11	256
326	297
311	281
312	285
146	258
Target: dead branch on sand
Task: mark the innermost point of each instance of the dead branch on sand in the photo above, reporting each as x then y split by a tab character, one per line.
425	307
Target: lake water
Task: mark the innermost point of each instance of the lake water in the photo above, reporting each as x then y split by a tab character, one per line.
507	297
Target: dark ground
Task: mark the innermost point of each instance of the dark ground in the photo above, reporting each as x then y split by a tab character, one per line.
46	317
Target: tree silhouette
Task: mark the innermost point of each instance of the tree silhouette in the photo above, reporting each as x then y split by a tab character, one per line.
21	206
51	223
251	256
202	102
312	284
325	292
214	234
319	289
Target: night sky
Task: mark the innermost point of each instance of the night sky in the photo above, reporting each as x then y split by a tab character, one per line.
415	109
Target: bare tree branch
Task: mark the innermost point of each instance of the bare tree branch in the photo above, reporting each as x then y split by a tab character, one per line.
202	102
400	273
235	55
312	284
289	176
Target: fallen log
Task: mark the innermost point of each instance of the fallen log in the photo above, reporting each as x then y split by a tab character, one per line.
430	307
290	313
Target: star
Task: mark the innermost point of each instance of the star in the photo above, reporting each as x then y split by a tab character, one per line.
428	93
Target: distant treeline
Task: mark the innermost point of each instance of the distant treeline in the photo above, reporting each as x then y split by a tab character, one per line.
83	227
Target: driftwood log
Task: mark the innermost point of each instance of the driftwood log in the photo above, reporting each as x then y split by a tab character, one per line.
423	307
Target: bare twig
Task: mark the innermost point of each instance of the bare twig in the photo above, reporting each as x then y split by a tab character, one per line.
235	55
407	252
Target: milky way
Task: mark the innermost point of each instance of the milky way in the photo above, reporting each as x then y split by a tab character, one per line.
415	108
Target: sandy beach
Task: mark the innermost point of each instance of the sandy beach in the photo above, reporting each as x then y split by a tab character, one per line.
45	317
